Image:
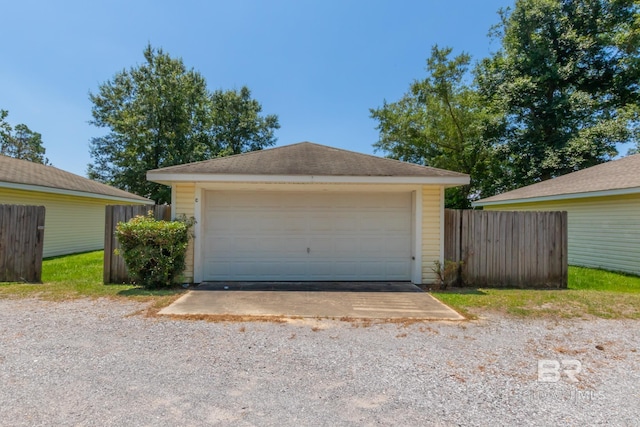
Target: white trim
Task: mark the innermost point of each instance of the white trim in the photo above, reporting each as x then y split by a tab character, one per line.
416	273
198	232
603	193
167	178
43	189
442	226
174	197
248	186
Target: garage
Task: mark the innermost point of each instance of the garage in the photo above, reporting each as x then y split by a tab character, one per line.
319	236
309	212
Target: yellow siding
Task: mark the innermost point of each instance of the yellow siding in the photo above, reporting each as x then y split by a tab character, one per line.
185	195
431	223
604	232
72	224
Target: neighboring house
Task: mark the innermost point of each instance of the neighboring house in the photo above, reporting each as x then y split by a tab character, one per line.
309	212
75	206
603	208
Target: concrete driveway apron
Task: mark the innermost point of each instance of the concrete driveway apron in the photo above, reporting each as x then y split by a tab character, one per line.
371	300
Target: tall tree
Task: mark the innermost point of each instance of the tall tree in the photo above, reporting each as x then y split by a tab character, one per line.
237	125
21	142
567	79
161	114
440	122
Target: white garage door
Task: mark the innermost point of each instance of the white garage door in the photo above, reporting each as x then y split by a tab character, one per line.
290	236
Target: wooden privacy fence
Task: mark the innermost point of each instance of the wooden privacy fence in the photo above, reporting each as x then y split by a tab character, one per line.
21	243
115	270
508	249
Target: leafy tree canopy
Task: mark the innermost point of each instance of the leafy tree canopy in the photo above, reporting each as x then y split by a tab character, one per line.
559	95
161	114
441	122
237	125
567	79
21	142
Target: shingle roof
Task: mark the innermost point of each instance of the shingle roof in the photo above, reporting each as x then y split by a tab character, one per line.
23	172
307	158
618	174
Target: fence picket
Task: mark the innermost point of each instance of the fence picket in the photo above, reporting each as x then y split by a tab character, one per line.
508	249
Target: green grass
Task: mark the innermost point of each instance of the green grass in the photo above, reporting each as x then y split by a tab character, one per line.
80	276
600	280
590	292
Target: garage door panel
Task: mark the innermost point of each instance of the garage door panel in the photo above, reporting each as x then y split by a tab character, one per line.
370	269
290	246
324	245
222	268
373	201
253	246
242	246
346	269
264	222
263	268
344	245
345	223
265	236
397	223
372	246
219	245
267	223
321	267
320	222
263	247
398	246
223	218
294	223
376	221
396	269
248	270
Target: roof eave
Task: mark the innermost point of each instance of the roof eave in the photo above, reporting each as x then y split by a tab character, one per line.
554	197
65	192
169	178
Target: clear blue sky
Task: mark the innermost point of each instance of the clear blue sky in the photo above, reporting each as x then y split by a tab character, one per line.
319	65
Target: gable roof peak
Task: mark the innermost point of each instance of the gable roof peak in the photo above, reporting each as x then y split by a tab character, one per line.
308	159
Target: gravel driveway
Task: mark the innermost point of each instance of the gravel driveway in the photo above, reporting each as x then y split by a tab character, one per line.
92	363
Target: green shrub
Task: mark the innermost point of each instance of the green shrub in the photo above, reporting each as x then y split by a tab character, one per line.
154	250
